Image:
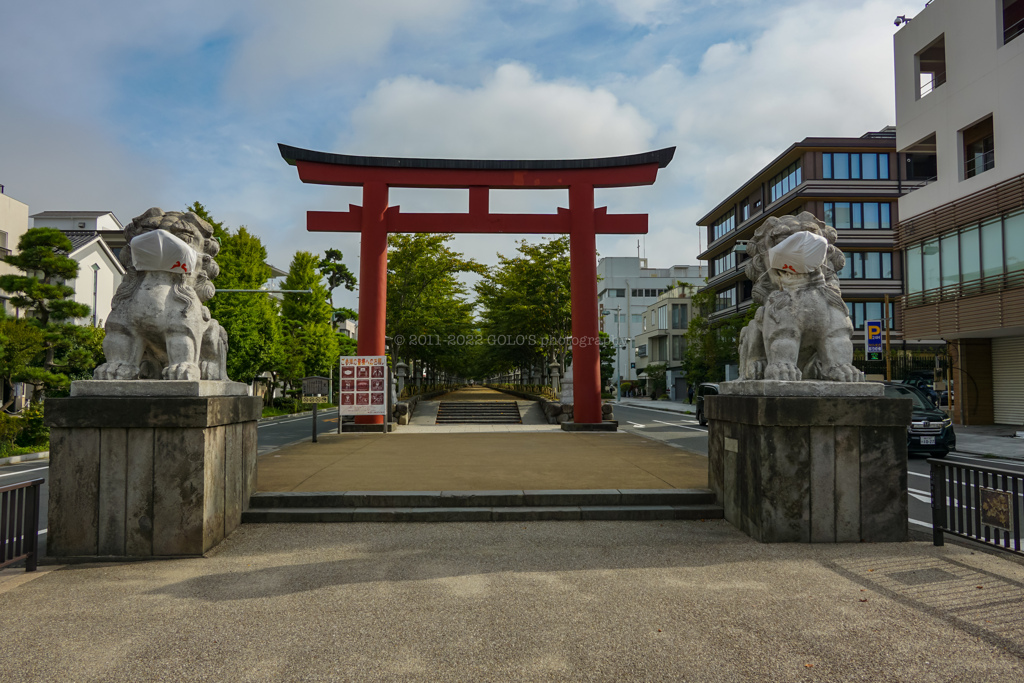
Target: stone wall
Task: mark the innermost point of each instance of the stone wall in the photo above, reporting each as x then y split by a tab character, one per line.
810	469
148	477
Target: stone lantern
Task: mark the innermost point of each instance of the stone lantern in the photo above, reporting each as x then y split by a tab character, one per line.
553	370
401	371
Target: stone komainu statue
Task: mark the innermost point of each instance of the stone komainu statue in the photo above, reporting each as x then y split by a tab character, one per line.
802	329
158	326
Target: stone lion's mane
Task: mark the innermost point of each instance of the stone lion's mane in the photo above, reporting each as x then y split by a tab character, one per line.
207	269
771	232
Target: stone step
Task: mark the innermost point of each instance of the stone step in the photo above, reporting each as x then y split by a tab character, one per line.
482	499
478	412
518	513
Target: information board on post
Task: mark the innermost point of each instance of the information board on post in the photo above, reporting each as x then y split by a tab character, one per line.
363	388
873	339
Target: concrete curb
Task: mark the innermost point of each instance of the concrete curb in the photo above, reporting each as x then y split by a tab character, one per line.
28	457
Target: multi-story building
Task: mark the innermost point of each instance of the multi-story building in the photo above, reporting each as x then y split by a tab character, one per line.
663	339
850	183
626	287
13	224
960	109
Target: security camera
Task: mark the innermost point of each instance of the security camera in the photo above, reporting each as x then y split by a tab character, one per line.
901	19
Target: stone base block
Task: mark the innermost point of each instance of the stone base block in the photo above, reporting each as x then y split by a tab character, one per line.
810	469
146	477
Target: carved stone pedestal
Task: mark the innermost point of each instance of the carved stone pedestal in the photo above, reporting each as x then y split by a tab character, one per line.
810	467
144	476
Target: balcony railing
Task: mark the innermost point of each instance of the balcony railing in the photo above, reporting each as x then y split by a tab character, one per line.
960	290
979	163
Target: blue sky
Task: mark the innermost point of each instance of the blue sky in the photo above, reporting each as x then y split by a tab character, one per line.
118	105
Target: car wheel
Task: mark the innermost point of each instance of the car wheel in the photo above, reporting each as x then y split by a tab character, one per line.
701	420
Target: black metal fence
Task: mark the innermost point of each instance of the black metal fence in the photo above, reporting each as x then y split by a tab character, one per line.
979	503
19	523
904	364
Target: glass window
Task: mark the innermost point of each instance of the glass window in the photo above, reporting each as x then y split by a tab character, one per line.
887	266
723	225
871	216
855	166
950	260
885	222
915	282
842	216
678	346
970	255
930	251
870	166
873	310
883	166
841	166
872	265
858	265
1013	227
992	248
637	318
826	163
857	217
662	317
678	316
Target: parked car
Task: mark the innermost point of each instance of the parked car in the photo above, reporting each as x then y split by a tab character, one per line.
706	389
930	432
924	384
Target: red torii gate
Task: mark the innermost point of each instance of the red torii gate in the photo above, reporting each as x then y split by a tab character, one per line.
581	221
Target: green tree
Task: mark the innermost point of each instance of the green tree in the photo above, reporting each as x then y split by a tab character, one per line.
426	301
251	319
526	306
656	376
336	273
41	292
20	345
306	321
711	345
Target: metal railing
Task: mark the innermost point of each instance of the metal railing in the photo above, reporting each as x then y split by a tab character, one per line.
1009	33
979	163
19	523
979	503
960	290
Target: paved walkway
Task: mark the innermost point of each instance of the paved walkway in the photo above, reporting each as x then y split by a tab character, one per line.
482	461
546	601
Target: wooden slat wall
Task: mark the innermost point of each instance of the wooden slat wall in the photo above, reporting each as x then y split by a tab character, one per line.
1002	198
972	314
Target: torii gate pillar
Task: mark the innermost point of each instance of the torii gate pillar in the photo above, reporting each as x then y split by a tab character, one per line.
582	222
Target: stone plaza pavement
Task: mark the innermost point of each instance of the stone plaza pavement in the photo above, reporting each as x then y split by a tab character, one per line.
544	601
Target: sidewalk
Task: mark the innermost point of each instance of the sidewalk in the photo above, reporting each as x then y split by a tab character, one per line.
547	601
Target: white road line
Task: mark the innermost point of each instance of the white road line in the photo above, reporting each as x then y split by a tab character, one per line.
923	493
38	469
924	524
653	410
918	474
673	424
636	425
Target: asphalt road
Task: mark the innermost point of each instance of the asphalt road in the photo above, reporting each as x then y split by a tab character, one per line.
284	431
675	429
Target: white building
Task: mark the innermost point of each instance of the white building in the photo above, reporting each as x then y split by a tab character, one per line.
13	224
960	116
104	223
626	287
663	340
99	275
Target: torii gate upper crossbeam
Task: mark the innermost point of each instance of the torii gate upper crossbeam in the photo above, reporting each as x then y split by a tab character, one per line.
581	221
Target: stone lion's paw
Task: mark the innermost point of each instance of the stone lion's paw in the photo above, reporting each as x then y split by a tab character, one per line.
189	371
121	371
845	373
210	370
786	372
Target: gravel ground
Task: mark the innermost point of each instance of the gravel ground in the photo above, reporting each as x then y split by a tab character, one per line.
548	601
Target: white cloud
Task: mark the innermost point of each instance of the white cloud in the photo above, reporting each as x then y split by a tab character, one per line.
306	39
512	114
